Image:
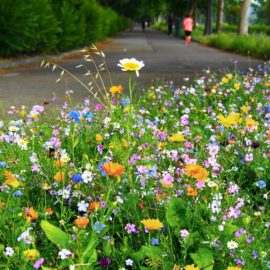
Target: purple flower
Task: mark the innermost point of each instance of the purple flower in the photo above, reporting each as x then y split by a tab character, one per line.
38	263
104	262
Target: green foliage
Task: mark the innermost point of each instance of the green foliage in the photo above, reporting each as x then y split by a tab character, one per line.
203	258
27	26
46	26
54	234
176	212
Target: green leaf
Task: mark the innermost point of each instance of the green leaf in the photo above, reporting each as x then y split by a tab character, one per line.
176	212
54	234
76	142
151	252
203	258
90	250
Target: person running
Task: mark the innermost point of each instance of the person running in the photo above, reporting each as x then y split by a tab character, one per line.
188	26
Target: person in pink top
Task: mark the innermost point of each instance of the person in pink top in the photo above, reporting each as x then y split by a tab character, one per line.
188	26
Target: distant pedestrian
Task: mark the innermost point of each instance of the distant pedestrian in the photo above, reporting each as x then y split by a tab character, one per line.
188	27
170	25
143	25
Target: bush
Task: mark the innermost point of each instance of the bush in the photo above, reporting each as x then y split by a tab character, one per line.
27	26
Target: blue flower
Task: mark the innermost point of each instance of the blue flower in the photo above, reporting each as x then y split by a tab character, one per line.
88	116
17	193
155	242
3	164
103	173
75	115
125	101
261	184
77	178
98	227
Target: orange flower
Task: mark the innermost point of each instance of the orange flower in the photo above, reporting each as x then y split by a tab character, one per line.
49	211
59	176
30	214
94	206
99	138
192	192
196	171
81	222
11	180
116	89
113	169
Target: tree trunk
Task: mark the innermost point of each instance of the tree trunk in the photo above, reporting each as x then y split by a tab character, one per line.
193	11
243	27
208	19
220	15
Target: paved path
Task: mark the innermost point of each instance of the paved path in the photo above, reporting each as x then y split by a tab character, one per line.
164	57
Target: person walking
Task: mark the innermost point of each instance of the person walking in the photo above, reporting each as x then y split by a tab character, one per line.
188	27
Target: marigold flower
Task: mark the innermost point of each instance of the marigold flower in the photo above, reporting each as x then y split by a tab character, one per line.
113	169
116	89
81	222
99	138
59	176
31	254
230	120
93	206
131	65
196	171
191	267
11	180
178	137
234	268
192	192
267	84
49	211
30	214
152	224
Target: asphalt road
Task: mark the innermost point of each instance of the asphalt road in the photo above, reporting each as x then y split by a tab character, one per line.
164	57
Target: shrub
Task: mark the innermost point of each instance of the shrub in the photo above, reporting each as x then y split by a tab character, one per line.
27	26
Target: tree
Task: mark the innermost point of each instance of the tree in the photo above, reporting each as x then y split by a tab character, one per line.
220	15
243	26
208	19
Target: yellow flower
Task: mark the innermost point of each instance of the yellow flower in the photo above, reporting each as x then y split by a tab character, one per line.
196	171
131	65
229	76
178	137
191	267
116	89
31	254
244	109
224	80
230	120
99	138
237	85
11	180
251	124
234	268
267	84
152	224
59	176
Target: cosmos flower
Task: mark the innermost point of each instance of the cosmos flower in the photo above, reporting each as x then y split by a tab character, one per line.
131	65
152	224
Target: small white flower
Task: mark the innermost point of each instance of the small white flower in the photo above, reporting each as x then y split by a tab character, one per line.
232	245
82	206
13	129
129	262
26	237
64	254
221	228
87	176
9	251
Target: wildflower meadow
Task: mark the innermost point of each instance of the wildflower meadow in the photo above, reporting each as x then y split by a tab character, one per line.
176	179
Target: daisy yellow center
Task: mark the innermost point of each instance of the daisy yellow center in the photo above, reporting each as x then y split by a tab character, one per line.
131	66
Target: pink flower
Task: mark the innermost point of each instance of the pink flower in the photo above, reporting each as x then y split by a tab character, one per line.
38	263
